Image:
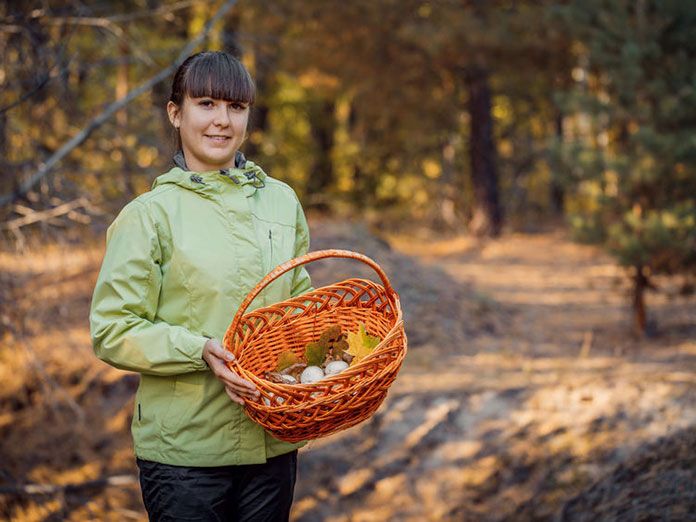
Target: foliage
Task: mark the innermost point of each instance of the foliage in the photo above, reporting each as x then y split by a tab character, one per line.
366	107
390	74
360	344
286	359
631	160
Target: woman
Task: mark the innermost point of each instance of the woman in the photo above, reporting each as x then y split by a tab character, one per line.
179	261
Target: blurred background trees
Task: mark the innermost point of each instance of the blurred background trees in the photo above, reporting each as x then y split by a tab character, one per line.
459	115
630	156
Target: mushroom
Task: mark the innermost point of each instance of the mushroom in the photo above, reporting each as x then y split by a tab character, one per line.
311	374
335	367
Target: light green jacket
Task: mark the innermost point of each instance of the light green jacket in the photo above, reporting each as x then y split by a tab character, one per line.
179	261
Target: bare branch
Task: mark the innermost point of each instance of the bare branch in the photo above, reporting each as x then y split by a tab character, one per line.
113	108
43	215
51	388
54	73
108	25
11	28
49	489
143	13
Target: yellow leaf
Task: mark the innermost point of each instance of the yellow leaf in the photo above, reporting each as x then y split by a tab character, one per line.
360	344
285	360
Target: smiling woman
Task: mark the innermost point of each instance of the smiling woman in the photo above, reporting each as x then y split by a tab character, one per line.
210	130
209	105
179	261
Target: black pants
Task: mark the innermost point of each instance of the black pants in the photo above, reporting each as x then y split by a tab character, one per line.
253	492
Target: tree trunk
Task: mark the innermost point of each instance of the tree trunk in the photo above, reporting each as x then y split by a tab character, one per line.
122	119
445	218
230	34
160	94
363	185
557	194
640	283
264	77
486	212
321	176
3	147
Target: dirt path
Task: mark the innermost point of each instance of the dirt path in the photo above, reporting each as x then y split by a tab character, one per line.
520	388
525	415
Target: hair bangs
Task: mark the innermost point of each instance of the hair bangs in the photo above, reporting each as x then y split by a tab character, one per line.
219	76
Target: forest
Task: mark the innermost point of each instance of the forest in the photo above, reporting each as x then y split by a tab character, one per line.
524	171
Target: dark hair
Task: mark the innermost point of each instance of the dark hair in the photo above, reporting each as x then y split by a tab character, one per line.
213	73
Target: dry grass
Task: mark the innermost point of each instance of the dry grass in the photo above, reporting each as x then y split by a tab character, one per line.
521	387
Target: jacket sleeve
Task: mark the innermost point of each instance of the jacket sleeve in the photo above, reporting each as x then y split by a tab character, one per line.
301	282
123	325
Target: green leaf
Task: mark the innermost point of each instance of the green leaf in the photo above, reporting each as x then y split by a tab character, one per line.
286	359
332	333
315	353
339	347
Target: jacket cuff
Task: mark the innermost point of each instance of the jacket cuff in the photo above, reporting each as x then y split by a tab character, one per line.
195	351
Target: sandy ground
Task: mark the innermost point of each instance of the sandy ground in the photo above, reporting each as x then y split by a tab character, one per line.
524	414
521	387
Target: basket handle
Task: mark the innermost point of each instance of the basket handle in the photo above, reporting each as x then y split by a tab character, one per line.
302	260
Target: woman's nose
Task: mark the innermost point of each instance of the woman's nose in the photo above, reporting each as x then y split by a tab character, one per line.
221	118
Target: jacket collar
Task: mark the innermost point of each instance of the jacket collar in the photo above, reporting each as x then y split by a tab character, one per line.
245	174
180	161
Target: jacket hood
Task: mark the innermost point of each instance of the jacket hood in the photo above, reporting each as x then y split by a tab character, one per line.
245	175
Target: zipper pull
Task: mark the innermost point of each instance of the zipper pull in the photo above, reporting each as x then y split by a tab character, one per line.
270	240
226	173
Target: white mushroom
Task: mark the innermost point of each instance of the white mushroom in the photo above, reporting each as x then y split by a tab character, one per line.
272	399
288	379
311	374
335	367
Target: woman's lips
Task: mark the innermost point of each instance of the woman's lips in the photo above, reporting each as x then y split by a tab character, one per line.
218	139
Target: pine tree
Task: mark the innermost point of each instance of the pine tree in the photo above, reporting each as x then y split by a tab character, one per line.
632	162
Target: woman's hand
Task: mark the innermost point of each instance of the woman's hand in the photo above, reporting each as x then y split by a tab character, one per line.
236	387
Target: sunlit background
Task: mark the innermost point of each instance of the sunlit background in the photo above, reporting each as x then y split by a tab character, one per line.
525	172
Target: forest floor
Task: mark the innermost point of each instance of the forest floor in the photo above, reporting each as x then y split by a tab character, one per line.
520	391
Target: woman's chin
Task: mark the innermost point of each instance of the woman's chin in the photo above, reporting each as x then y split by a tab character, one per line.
220	161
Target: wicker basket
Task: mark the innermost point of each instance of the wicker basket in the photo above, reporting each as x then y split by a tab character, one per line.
296	412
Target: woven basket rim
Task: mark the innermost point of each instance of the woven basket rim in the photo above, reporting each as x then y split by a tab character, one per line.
373	374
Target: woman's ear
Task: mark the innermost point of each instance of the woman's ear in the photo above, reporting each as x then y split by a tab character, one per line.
174	114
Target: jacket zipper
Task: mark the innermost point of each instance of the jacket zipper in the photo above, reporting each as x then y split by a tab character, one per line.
140	417
270	241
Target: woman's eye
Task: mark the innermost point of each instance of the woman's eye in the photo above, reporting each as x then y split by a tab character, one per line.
237	106
206	103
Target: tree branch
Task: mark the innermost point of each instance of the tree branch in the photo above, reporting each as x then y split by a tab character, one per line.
54	73
49	489
100	119
108	25
32	217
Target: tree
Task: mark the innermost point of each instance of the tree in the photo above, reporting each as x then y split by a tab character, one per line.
487	218
632	160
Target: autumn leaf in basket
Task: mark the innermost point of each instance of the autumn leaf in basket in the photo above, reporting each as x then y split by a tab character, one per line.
315	353
360	344
286	359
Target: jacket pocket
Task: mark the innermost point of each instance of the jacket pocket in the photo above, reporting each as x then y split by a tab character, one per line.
279	244
279	248
186	397
152	402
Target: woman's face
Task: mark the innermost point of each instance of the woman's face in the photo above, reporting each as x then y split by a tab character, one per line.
211	131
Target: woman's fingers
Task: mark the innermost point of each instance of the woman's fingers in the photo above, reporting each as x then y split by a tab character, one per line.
237	387
234	381
232	395
213	347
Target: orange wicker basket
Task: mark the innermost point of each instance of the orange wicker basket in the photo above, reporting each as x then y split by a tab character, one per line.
297	412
